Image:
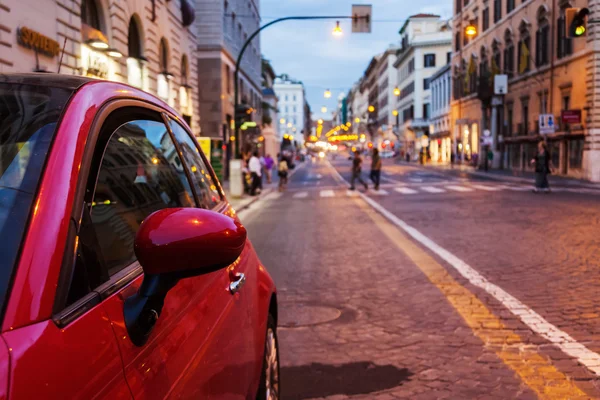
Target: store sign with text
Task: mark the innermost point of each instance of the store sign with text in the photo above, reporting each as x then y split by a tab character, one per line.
38	42
94	63
570	116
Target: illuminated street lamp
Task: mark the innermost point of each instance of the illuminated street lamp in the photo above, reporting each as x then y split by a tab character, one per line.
371	108
357	120
396	91
323	109
282	121
471	30
337	31
327	94
289	125
320	121
395	113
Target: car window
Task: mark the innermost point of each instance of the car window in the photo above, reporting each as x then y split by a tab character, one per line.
29	116
141	172
202	179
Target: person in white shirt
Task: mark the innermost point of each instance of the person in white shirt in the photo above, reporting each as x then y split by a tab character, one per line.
256	171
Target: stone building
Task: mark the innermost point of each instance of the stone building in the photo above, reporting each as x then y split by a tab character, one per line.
147	44
292	101
223	27
547	74
440	143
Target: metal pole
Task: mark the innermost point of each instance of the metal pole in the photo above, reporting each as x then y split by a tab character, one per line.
237	143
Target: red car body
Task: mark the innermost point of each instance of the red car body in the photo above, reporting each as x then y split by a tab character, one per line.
207	343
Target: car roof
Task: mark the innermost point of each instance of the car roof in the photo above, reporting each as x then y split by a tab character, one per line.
72	82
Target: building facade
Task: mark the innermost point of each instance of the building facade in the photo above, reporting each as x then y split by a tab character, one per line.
149	45
270	119
387	81
440	143
292	100
426	46
223	27
547	74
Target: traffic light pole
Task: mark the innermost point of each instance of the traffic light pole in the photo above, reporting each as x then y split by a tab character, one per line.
237	144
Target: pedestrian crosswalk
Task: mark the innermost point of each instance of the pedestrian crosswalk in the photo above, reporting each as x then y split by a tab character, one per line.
440	189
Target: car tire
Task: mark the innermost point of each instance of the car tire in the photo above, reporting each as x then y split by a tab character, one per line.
270	382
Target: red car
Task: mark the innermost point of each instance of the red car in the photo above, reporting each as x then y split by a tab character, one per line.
124	271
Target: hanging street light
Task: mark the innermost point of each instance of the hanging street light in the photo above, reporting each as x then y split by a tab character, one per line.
337	31
327	94
323	109
371	108
396	91
471	30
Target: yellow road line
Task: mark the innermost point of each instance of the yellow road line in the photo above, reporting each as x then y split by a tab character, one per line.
534	369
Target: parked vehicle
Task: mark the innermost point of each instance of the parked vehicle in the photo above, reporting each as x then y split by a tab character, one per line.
117	245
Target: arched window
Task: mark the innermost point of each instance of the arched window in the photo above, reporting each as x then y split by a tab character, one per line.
509	54
496	57
135	68
134	41
90	14
542	38
483	61
472	71
163	53
524	48
185	89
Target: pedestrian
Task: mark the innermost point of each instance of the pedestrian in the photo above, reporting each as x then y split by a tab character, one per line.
255	171
407	156
543	166
282	172
452	159
376	168
269	167
356	169
261	159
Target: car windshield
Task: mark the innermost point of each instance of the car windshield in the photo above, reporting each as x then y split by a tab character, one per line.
28	119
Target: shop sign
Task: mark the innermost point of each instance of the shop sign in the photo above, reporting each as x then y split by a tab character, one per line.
546	124
35	40
205	146
94	64
571	116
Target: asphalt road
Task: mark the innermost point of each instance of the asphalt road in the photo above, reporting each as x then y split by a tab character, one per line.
439	285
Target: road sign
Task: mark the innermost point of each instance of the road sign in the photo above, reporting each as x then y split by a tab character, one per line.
500	84
487	140
486	133
361	18
546	124
571	116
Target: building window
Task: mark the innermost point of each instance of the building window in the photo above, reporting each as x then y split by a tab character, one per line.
294	98
541	39
497	10
429	60
566	100
508	129
458	6
509	54
524	46
426	110
448	57
287	109
495	57
485	19
483	61
228	79
164	56
426	83
564	45
162	83
510	5
575	153
411	65
524	116
286	97
90	14
457	41
135	68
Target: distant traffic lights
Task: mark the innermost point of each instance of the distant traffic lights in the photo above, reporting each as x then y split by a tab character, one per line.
576	22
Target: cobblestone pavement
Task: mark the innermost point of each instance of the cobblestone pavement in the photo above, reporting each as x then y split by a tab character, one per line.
367	314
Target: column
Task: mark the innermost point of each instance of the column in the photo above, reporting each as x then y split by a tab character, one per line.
591	152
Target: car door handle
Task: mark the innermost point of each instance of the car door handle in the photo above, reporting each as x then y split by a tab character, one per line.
238	283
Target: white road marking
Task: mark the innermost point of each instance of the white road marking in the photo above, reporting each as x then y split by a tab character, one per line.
405	190
432	189
379	192
520	188
351	193
272	196
459	188
327	193
488	188
533	320
415	180
300	195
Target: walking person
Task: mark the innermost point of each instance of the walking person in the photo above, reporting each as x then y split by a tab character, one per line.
269	167
376	168
282	172
356	169
256	172
542	168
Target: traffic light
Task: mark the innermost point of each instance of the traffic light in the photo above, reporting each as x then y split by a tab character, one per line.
243	113
576	22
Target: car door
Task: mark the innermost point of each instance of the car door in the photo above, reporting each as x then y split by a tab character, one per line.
241	321
137	170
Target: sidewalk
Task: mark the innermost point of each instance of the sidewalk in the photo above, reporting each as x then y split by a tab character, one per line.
240	203
506	175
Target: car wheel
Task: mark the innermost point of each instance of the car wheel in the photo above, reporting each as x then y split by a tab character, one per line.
269	388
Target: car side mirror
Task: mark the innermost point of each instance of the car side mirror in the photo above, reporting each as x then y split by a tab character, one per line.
172	244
